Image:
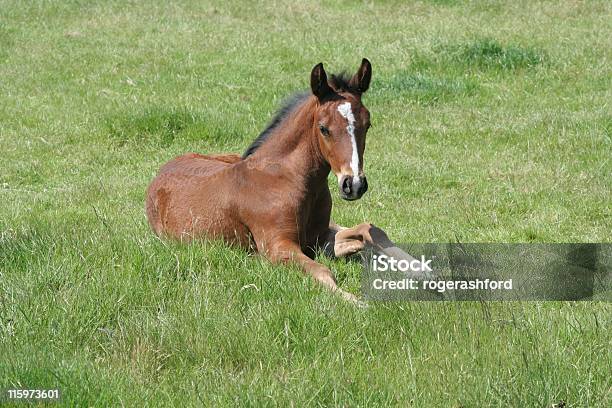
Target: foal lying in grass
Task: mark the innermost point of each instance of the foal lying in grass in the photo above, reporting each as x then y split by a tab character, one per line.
275	198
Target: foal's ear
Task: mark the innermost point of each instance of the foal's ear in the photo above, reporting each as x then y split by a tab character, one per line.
318	82
361	80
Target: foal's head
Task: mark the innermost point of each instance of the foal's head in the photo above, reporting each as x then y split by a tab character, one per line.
341	123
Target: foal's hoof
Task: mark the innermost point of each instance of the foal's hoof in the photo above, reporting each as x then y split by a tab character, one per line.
353	299
362	304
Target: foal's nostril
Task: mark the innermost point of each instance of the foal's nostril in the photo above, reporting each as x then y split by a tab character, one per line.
347	185
363	187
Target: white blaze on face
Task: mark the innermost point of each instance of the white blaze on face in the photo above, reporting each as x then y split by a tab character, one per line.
347	113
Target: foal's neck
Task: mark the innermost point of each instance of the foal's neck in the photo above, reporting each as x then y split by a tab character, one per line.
296	148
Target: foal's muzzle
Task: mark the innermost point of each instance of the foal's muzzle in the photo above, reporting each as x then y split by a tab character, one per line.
352	188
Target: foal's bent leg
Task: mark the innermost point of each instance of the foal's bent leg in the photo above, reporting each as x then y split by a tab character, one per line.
338	246
342	241
290	252
348	241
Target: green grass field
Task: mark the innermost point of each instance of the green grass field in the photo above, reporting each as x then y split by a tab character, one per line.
491	123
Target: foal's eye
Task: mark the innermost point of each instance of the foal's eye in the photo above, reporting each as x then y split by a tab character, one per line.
324	130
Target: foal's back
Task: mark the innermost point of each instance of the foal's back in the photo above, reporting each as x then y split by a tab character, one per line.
189	196
198	164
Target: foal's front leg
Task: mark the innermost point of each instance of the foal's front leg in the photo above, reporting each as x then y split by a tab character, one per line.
342	241
287	252
348	241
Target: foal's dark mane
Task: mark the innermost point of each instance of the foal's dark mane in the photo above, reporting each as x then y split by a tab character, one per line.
339	82
285	110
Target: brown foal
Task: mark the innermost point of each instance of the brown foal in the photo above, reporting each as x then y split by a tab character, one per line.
275	198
